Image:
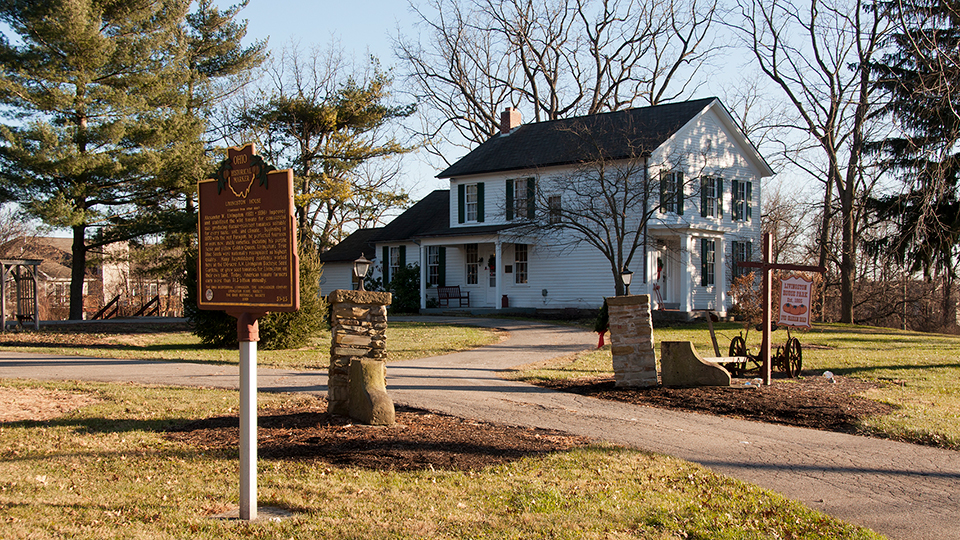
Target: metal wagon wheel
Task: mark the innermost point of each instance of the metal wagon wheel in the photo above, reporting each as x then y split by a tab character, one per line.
793	357
738	347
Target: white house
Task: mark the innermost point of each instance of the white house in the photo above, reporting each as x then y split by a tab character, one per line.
491	234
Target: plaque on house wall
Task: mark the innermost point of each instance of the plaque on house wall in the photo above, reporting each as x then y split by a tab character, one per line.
248	237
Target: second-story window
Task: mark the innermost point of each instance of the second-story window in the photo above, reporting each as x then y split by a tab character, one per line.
470	203
711	191
521	198
742	200
556	210
671	192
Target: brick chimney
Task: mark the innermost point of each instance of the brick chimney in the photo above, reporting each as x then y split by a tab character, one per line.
509	119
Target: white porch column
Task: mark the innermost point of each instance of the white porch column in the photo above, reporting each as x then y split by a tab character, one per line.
686	271
498	253
423	277
720	279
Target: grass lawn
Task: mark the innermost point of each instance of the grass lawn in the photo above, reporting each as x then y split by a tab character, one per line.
105	471
919	373
405	340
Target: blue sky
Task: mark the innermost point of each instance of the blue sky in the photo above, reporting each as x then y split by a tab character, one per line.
361	27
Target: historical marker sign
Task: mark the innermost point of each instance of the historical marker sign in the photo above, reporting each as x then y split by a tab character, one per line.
248	242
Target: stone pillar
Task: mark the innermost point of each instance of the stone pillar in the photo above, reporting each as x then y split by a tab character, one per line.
631	341
358	326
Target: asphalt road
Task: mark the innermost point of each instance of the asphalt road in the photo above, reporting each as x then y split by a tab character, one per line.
901	490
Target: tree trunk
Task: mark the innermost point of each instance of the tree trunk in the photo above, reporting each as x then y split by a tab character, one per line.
848	258
78	271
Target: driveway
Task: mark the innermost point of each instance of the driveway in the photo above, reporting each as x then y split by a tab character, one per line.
901	490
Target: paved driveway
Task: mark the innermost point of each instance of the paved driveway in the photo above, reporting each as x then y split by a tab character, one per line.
901	490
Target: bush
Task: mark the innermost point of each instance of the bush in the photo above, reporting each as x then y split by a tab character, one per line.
405	287
277	330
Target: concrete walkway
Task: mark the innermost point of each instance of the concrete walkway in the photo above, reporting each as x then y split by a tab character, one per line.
901	490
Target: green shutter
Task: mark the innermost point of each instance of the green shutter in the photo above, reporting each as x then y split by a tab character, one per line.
386	265
679	179
461	203
719	192
509	200
480	202
531	198
442	270
704	180
663	192
749	203
734	190
403	257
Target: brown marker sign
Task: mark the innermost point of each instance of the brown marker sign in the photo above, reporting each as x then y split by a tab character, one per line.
248	240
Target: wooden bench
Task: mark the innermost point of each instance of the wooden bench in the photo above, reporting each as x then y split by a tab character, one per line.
445	294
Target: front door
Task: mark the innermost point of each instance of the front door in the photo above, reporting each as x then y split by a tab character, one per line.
490	275
666	279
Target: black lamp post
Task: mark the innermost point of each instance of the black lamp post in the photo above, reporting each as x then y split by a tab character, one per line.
627	277
360	268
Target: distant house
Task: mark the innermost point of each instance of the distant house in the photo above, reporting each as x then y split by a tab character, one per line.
477	235
112	274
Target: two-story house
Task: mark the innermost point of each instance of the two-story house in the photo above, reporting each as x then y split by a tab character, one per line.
497	232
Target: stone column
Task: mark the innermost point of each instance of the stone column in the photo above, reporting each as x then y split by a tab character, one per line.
358	325
631	341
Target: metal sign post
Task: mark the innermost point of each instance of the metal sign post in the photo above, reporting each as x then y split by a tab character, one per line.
248	266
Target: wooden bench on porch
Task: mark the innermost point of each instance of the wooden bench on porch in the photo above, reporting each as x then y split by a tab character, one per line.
445	294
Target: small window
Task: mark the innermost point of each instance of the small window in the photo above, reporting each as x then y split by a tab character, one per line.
742	252
473	264
433	265
521	198
520	263
555	209
707	261
671	192
471	202
394	260
711	191
742	200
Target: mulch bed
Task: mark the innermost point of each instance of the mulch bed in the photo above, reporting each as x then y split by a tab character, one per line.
420	439
424	440
811	401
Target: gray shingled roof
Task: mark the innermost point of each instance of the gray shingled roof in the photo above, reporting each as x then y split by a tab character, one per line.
430	213
618	135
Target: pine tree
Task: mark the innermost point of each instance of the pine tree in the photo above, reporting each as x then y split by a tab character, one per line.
922	78
105	104
90	95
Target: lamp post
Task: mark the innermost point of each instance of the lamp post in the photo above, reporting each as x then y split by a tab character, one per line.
360	268
627	277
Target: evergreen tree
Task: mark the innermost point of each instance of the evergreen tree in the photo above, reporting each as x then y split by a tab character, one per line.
91	95
922	78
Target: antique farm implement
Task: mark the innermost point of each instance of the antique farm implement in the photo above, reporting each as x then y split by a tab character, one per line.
787	359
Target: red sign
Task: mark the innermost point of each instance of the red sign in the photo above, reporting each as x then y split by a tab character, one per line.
248	237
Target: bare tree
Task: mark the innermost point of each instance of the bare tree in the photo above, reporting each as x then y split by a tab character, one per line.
607	200
559	59
816	54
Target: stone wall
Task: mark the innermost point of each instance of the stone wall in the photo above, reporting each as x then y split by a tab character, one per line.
631	341
358	326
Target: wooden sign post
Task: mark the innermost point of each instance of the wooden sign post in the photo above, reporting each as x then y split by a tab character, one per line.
767	297
248	266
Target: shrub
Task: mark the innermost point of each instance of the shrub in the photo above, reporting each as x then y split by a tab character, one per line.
277	330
